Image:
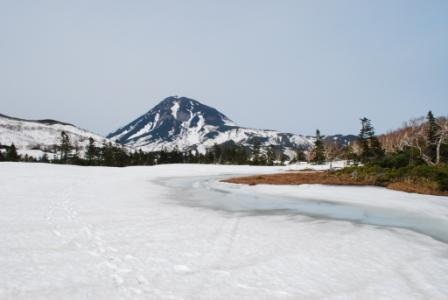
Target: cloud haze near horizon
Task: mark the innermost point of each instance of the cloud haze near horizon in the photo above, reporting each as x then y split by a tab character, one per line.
292	66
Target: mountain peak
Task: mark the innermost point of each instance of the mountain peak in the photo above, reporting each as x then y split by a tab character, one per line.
185	123
172	116
181	101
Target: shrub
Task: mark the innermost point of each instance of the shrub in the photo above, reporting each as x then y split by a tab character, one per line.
424	175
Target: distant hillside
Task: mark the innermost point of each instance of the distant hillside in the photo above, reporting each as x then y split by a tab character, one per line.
35	137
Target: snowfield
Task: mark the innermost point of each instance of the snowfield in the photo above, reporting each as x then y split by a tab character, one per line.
176	232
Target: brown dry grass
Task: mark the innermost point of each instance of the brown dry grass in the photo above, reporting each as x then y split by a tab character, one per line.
331	178
307	177
419	188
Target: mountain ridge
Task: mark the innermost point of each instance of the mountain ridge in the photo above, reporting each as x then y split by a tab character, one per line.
178	123
42	121
187	124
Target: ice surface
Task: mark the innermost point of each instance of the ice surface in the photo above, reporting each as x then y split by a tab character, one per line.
71	232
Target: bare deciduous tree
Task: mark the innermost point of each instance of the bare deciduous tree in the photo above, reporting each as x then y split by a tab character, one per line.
442	137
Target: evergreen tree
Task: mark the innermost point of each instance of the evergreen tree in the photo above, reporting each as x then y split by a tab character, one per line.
262	161
432	136
11	153
236	154
191	157
162	157
283	158
347	153
44	158
108	154
121	157
217	154
114	156
319	150
242	155
175	156
433	128
371	149
76	159
363	138
65	147
91	152
300	154
143	158
2	156
256	153
270	155
139	158
376	149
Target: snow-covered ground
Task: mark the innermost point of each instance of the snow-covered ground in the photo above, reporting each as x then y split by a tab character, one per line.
167	232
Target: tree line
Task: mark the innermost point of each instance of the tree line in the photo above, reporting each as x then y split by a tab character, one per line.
422	140
115	155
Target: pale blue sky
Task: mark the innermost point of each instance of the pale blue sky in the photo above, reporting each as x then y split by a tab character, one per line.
288	65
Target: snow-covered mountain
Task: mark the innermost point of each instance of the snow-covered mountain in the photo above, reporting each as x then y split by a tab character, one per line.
37	137
186	124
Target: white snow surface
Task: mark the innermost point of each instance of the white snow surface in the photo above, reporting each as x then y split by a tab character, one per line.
174	109
69	232
198	136
301	166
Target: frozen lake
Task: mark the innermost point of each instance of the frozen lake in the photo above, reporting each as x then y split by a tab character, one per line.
209	192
